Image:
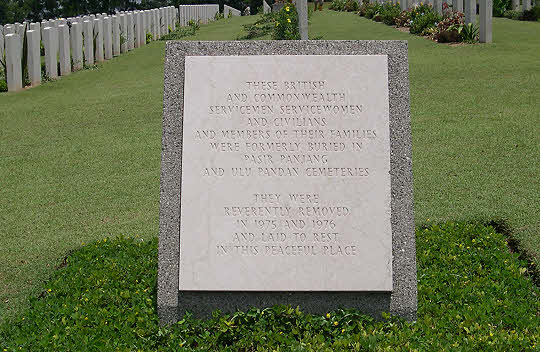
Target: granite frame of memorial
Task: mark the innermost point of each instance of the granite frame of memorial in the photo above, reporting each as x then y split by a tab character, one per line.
172	303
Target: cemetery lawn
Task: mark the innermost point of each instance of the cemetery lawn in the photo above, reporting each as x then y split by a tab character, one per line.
80	157
473	295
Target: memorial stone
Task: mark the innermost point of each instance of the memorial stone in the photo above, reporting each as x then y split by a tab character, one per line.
457	5
64	50
88	28
2	45
34	59
486	19
281	184
50	44
116	35
123	33
76	41
470	11
98	50
107	38
13	62
131	32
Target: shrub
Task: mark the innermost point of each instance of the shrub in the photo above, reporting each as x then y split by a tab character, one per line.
500	7
389	13
447	29
149	38
468	32
403	20
344	5
531	15
424	22
286	27
473	295
371	10
351	6
512	14
338	5
260	28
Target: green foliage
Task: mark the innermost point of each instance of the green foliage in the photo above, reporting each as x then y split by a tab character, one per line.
389	13
219	16
512	14
286	24
447	29
530	15
181	32
370	10
423	22
500	7
473	295
344	5
469	32
260	28
149	38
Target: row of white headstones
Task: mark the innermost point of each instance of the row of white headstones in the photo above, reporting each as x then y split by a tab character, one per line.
71	43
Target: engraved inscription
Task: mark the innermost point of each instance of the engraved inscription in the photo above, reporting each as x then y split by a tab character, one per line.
285	172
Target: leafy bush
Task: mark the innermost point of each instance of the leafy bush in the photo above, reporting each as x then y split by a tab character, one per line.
181	32
265	25
403	20
531	15
422	23
338	5
500	7
389	13
344	5
512	14
371	10
149	38
286	27
468	33
447	29
473	295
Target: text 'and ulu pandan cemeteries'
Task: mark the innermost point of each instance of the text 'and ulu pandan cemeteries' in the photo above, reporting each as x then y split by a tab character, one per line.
296	183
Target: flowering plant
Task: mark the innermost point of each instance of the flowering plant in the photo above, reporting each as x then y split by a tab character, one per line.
286	27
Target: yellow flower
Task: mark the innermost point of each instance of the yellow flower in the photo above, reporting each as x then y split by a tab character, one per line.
49	290
328	315
335	323
289	20
287	9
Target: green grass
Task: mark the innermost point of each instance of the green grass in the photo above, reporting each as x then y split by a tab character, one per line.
473	296
80	157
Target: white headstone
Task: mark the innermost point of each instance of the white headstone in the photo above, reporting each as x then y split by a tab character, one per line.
13	62
2	45
88	28
50	43
131	31
136	30
107	38
116	35
76	42
98	50
34	57
470	11
486	18
123	34
64	50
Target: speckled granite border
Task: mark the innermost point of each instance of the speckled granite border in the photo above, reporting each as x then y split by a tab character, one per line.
172	304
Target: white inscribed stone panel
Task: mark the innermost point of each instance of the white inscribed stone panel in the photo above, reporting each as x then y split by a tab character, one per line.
286	174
